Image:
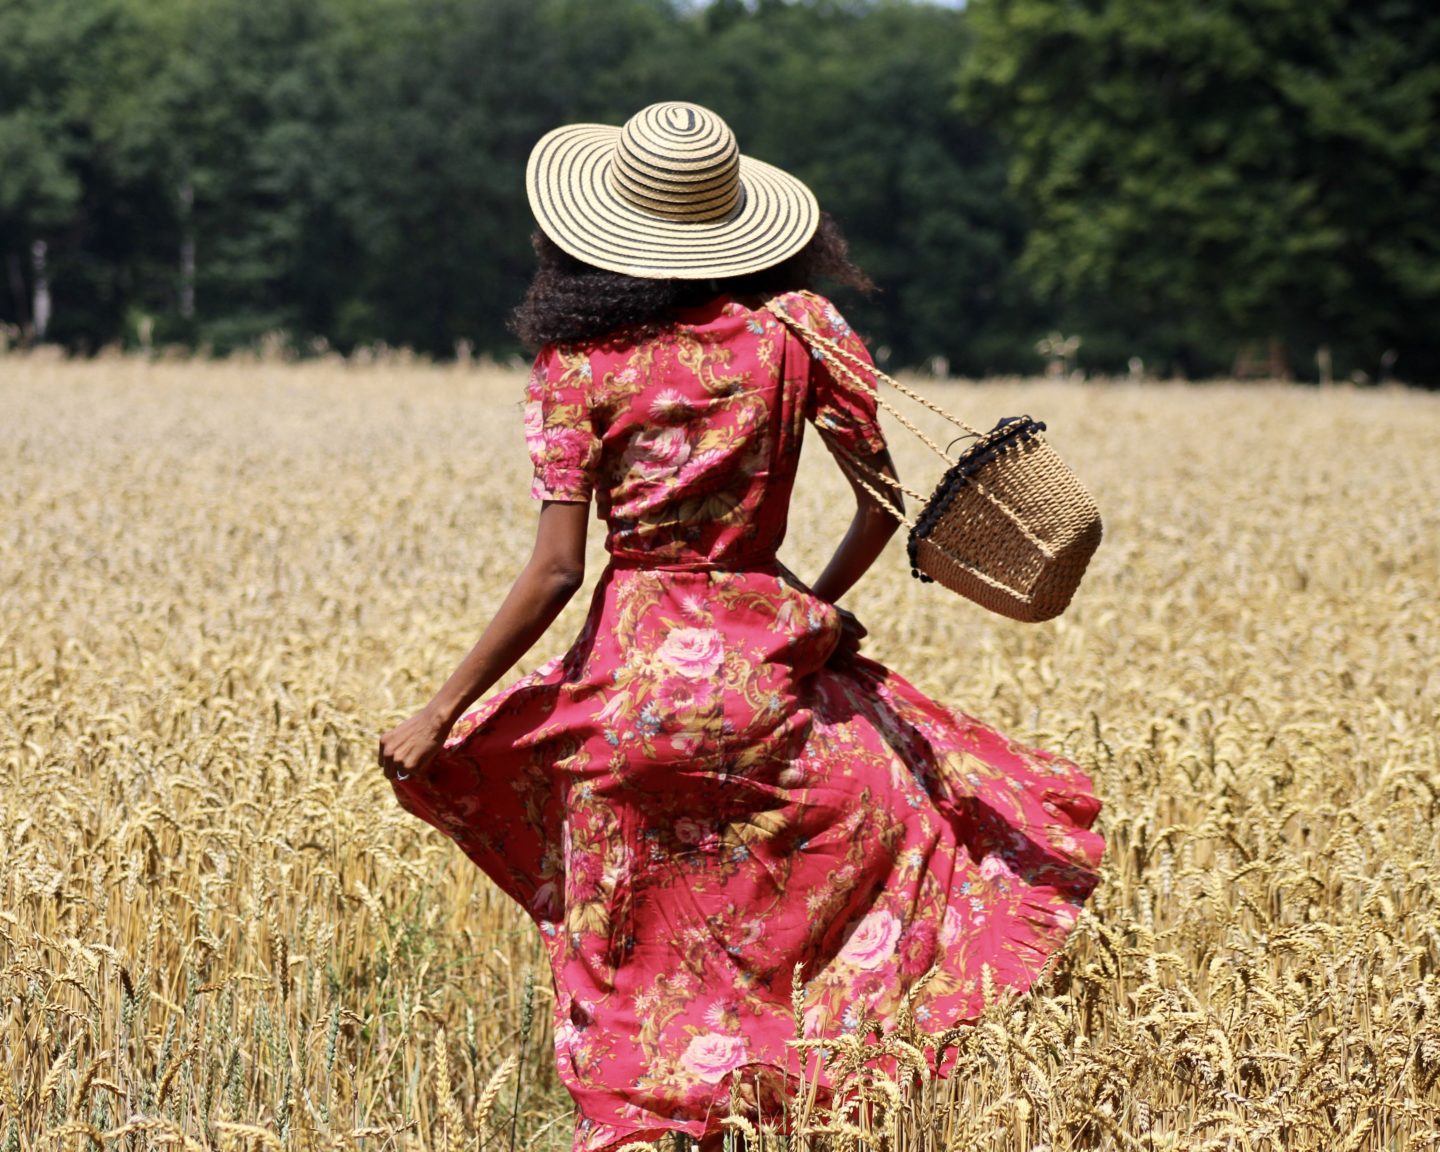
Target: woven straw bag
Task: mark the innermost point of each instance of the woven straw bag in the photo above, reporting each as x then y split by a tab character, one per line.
1008	526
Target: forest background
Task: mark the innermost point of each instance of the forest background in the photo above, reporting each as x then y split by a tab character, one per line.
1190	188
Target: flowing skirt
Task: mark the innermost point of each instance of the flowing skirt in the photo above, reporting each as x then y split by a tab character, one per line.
696	800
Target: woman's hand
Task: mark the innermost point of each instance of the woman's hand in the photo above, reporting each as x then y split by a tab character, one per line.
409	747
851	633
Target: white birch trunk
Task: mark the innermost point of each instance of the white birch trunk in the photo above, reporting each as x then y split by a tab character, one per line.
41	307
187	250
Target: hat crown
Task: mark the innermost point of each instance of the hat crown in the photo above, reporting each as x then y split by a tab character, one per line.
679	162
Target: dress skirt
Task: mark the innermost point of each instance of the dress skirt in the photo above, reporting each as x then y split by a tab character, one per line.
702	798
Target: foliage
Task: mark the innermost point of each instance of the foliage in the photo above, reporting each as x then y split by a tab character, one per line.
52	190
354	170
1172	183
1206	173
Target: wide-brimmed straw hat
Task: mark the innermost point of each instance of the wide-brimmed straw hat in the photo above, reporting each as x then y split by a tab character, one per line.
668	196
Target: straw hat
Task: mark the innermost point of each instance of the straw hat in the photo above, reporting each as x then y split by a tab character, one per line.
668	196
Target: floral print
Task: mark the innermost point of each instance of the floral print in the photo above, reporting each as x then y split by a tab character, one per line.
873	940
702	796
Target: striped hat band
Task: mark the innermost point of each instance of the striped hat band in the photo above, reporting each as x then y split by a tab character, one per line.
668	195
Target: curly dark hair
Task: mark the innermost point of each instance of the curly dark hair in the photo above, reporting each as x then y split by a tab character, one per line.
571	302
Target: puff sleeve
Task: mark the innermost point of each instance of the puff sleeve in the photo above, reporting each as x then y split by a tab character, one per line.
844	412
559	429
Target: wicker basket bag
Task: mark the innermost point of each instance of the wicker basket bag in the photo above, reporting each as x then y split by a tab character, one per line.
1009	526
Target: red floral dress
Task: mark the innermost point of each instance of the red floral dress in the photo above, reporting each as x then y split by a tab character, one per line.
696	799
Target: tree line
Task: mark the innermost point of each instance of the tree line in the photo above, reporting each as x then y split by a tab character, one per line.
1186	187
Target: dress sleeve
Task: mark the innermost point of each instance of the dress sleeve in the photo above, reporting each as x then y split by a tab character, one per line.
844	412
559	431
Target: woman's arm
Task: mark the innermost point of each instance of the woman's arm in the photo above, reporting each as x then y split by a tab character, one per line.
553	574
870	530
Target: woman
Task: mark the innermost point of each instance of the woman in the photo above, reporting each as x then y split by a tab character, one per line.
712	788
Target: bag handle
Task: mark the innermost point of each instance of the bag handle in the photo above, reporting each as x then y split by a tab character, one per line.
858	470
847	362
862	473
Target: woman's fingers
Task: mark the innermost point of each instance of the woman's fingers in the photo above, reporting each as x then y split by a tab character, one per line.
850	626
851	633
408	748
391	763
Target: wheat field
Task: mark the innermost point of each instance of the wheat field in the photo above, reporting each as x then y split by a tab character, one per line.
220	581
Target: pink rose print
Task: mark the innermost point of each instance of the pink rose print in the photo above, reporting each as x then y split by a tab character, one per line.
952	929
711	1055
566	1034
873	941
1063	916
534	424
683	695
689	831
694	653
657	453
994	868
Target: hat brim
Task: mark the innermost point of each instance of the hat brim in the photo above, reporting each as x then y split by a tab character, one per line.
568	183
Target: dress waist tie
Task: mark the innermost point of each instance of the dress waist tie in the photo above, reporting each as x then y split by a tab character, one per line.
770	565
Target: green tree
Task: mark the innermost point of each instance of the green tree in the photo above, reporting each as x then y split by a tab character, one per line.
53	181
444	100
244	115
1200	176
173	158
354	168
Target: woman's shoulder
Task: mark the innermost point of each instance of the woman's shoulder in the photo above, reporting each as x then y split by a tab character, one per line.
580	360
807	308
814	312
559	366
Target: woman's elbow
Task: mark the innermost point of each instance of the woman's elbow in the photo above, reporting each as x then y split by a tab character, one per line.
554	578
557	562
879	521
563	578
